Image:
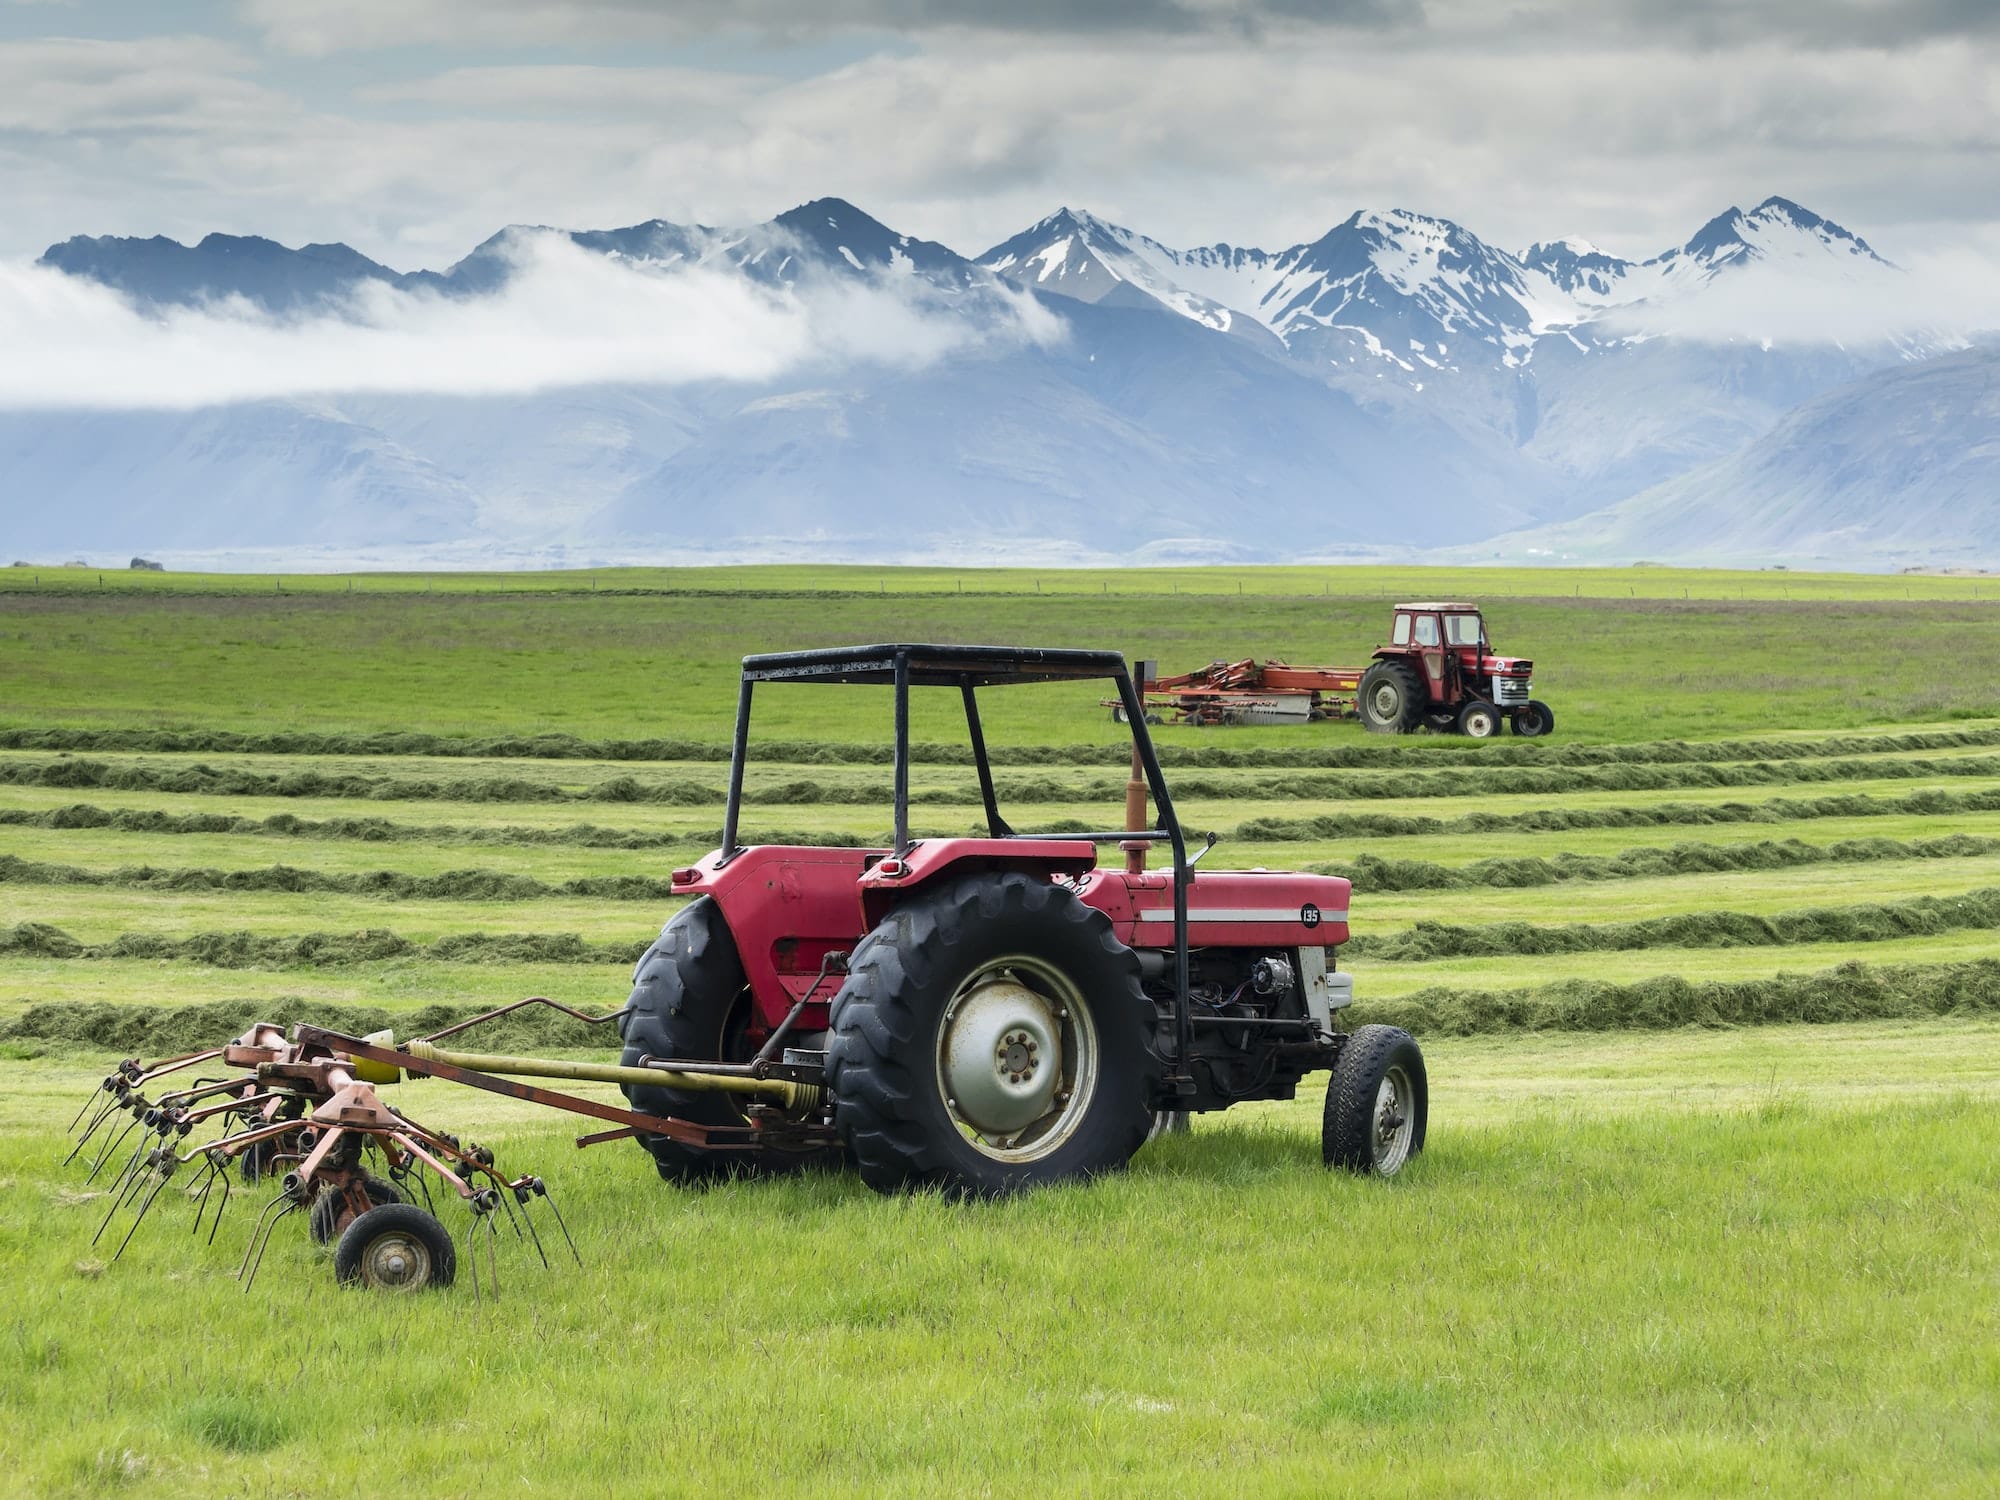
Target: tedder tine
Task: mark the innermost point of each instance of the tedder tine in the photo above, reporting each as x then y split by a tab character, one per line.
542	1188
260	1237
110	1148
165	1176
521	1196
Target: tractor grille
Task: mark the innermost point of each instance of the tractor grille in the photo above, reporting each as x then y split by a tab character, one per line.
1512	692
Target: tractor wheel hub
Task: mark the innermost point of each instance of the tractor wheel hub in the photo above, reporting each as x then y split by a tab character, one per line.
1000	1056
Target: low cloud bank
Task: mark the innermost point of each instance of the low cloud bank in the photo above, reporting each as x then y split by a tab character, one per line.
1937	299
566	317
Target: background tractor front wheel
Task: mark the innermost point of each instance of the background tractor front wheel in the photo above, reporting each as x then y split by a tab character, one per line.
991	1036
1479	720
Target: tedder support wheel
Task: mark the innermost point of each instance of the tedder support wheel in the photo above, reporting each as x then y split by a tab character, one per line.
395	1248
331	1212
1377	1103
690	1000
1479	720
991	1035
1391	698
1534	720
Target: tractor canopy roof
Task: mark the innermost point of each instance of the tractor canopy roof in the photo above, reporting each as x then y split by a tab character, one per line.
934	666
1467	608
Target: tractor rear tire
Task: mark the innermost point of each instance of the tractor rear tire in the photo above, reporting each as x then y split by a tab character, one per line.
689	1000
1377	1103
1391	698
992	1036
1479	720
323	1219
396	1248
1534	721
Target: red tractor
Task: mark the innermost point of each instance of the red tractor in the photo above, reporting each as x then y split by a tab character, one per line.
1439	669
977	1015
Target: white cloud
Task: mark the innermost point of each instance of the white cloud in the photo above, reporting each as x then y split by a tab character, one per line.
566	317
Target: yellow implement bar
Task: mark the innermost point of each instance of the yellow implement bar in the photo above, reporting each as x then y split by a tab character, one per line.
785	1091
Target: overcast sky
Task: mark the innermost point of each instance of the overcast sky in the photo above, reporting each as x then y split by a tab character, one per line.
413	128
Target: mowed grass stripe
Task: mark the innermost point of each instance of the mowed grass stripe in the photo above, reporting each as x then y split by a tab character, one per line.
1190	751
808	791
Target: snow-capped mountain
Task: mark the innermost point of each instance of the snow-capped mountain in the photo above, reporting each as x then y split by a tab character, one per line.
1217	400
1393	284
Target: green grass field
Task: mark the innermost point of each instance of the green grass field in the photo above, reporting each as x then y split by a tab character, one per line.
1709	985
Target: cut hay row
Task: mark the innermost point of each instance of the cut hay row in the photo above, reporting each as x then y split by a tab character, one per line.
392	885
210	780
1332	756
1370	873
1932	802
1868	922
1848	992
317	950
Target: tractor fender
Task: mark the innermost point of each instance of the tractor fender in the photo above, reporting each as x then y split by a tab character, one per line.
889	881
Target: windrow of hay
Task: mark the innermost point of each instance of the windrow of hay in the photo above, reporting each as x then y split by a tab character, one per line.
1849	992
84	815
1370	873
1461	781
449	885
1872	922
804	752
318	950
1931	802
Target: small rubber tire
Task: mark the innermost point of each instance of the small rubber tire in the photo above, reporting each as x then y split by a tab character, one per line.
1391	698
1169	1122
884	1062
1479	720
1534	721
362	1258
323	1218
687	991
1356	1132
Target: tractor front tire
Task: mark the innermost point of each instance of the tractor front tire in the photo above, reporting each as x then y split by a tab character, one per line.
1479	720
396	1248
992	1036
1534	721
1378	1103
689	1001
1391	698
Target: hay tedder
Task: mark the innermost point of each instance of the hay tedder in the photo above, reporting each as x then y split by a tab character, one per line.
970	1016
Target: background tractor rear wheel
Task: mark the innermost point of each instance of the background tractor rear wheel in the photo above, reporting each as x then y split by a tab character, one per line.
690	1000
395	1248
992	1036
1391	698
1479	720
329	1213
1377	1103
1535	720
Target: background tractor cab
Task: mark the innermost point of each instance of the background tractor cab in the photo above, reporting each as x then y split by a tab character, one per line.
1439	668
